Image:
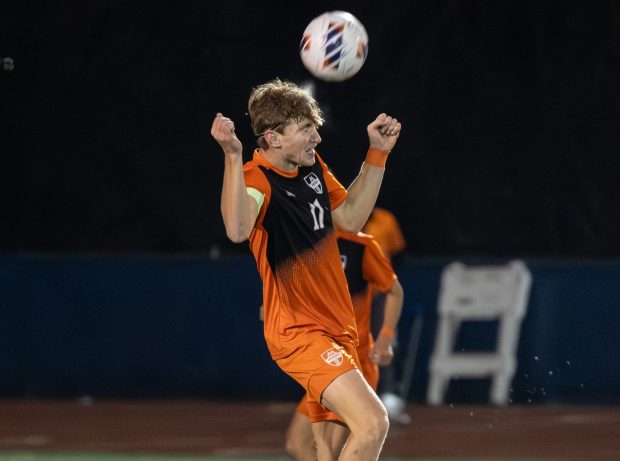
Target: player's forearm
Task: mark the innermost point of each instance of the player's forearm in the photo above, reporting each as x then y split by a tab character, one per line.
382	352
362	197
235	203
393	306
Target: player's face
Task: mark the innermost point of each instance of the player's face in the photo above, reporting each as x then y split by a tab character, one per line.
298	143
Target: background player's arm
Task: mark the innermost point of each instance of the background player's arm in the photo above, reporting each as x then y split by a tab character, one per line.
239	210
382	352
363	191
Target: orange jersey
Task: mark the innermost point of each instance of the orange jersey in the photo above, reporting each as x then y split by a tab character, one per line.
383	225
294	243
368	271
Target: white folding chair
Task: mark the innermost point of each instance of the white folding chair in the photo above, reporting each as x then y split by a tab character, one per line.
479	293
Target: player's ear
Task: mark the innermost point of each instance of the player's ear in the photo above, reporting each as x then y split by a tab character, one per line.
272	138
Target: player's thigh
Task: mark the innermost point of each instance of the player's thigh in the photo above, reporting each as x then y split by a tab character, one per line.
352	398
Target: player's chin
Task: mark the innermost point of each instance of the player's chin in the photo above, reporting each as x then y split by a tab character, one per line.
308	159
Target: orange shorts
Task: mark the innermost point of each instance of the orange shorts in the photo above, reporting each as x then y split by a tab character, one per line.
317	412
369	370
315	365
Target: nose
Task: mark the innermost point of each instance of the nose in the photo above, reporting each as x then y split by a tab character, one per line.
315	137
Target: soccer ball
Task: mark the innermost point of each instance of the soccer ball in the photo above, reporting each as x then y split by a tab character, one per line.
334	46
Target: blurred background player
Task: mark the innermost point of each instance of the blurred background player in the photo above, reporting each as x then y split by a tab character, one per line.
288	204
385	228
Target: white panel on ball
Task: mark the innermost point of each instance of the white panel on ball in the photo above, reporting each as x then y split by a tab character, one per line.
334	46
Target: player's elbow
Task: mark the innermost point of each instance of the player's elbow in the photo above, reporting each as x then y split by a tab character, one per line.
345	222
237	235
237	230
397	290
349	227
236	238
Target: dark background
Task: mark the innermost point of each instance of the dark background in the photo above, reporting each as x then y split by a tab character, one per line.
510	115
112	279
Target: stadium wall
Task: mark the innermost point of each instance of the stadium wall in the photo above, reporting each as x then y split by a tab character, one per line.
161	326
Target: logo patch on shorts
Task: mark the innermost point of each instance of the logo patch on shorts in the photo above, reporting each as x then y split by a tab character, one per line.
333	357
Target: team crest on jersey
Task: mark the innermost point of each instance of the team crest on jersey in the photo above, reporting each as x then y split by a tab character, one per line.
333	357
314	182
343	260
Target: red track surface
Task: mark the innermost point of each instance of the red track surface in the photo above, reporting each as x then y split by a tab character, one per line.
205	427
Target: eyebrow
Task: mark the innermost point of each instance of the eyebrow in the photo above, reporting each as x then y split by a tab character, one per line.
306	124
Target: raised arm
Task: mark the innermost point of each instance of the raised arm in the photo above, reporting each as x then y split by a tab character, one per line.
383	133
239	210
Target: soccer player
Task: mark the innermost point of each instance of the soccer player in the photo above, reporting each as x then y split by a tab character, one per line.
287	203
368	272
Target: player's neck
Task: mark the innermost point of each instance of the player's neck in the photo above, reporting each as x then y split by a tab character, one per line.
276	158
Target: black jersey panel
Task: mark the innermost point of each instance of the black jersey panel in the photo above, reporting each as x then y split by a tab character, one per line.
299	213
351	254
